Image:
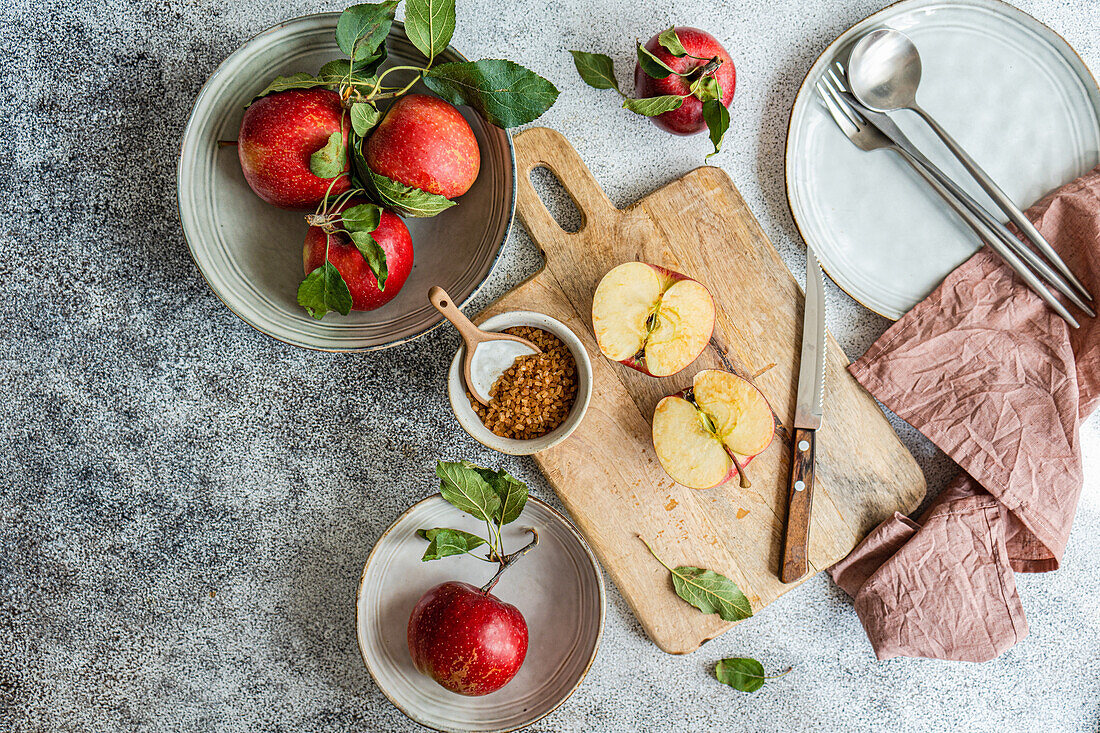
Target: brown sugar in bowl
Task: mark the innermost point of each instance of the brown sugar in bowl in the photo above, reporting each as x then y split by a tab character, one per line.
581	381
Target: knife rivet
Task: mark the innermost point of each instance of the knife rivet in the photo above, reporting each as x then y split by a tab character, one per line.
804	445
799	485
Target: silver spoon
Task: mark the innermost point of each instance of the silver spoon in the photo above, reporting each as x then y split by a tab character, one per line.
884	71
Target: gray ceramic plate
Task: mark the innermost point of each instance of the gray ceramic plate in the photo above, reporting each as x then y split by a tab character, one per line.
251	252
1009	89
557	587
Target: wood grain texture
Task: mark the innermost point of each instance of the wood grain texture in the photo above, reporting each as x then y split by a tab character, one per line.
800	498
607	474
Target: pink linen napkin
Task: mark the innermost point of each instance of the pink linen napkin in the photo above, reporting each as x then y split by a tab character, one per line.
999	383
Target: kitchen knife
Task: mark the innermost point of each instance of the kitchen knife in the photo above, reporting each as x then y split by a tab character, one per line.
807	419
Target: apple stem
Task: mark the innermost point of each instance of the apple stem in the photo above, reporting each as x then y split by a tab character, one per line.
508	560
743	477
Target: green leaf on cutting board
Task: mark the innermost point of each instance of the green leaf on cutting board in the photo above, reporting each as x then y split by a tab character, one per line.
444	542
429	24
707	590
671	42
653	106
463	486
597	70
743	673
503	92
324	290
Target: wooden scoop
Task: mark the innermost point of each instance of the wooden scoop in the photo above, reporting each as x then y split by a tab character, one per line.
488	354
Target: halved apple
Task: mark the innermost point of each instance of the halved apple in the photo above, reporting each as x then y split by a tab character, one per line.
707	434
651	319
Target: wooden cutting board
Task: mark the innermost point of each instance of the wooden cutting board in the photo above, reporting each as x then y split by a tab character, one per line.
607	474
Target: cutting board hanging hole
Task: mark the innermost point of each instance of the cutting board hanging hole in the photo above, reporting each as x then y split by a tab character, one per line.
556	199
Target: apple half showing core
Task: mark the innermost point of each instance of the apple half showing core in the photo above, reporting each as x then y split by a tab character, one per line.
696	431
651	318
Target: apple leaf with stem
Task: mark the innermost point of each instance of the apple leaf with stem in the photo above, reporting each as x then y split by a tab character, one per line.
444	542
361	218
671	42
364	116
653	106
503	92
429	24
510	490
324	290
406	200
707	590
717	118
652	65
374	255
706	88
362	28
331	160
597	70
464	487
743	673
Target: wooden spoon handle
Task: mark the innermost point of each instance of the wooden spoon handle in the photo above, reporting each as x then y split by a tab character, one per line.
800	490
470	333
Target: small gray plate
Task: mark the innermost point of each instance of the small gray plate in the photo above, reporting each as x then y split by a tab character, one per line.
251	253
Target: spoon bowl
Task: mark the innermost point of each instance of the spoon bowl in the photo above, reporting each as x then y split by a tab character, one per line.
884	70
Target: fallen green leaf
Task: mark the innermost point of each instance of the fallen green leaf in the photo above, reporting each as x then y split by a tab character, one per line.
596	69
707	590
743	673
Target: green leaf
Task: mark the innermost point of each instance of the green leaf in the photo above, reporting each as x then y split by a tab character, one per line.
464	487
503	92
369	65
364	116
743	673
361	218
363	28
717	118
374	255
652	106
331	160
652	65
596	69
324	290
707	590
510	490
444	542
429	24
340	71
406	200
671	42
301	80
706	88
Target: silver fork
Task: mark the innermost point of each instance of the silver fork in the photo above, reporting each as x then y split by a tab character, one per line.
867	137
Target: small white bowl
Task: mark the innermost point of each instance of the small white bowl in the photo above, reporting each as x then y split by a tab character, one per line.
468	419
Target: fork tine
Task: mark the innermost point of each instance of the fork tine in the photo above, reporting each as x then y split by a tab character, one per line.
846	126
842	103
839	75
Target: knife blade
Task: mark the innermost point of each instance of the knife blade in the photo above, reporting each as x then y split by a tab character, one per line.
809	408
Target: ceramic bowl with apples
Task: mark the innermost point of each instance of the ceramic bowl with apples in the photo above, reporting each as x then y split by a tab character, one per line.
337	165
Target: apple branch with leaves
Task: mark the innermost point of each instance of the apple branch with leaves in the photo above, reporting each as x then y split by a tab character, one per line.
495	497
598	71
503	92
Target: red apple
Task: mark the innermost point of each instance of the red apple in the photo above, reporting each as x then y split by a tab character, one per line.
278	135
425	143
466	639
392	235
651	319
697	432
688	119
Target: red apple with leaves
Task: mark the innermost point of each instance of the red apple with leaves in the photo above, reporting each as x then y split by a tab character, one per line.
425	143
700	49
281	133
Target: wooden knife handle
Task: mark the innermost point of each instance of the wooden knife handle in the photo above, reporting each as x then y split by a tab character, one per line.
800	492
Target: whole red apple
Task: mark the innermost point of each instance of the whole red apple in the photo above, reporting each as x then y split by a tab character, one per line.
688	119
392	235
278	135
465	639
425	143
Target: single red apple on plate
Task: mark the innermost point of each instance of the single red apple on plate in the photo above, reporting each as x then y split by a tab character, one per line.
698	433
651	318
466	639
688	118
426	143
278	135
391	234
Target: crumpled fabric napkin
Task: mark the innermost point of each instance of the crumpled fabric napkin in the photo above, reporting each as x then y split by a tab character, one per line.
999	383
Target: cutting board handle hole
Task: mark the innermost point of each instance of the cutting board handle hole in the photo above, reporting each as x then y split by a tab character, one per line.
557	200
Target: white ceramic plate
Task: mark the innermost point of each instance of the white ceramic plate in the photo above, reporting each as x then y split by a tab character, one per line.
1009	89
557	587
251	253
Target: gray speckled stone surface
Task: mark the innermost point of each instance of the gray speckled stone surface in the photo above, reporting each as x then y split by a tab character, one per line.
186	504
